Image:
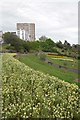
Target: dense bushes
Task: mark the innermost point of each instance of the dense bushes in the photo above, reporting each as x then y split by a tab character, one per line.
31	94
15	43
23	46
45	45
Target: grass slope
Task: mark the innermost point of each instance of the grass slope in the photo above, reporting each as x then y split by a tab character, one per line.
35	63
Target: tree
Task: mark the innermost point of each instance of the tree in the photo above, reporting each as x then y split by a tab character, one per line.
59	44
43	38
18	44
48	45
67	45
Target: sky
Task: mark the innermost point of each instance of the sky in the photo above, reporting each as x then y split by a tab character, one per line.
56	19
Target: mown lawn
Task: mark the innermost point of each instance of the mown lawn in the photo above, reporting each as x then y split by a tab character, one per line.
35	63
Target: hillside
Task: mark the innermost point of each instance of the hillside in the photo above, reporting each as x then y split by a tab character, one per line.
31	94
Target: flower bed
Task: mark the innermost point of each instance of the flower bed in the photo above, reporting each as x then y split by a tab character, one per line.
56	56
31	94
59	57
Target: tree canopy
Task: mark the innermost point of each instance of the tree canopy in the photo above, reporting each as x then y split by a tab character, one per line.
18	44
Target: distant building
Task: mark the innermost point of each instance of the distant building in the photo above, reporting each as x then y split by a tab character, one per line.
26	31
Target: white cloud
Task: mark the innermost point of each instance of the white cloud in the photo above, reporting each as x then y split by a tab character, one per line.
57	19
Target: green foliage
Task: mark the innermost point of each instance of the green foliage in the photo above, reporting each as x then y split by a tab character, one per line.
59	44
18	44
48	46
33	45
31	94
43	38
44	44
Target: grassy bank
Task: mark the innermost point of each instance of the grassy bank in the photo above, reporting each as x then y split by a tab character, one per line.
35	63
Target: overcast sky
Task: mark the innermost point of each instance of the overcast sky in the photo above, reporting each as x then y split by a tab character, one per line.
57	19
